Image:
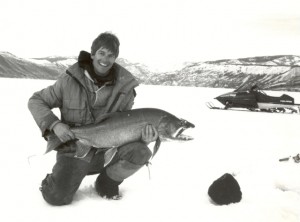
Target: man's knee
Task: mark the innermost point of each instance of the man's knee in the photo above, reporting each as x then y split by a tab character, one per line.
59	187
53	194
57	198
137	153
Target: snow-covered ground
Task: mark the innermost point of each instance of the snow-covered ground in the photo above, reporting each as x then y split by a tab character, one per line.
246	144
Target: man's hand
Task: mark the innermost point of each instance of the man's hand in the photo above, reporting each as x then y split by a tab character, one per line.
149	134
63	132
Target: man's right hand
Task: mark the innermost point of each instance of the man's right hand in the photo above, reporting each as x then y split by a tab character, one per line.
63	132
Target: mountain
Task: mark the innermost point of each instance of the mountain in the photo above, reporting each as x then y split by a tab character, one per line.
280	72
51	67
141	71
15	67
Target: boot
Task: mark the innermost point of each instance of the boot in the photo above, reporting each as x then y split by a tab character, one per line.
107	183
107	187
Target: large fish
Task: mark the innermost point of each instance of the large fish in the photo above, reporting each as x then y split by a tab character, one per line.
116	129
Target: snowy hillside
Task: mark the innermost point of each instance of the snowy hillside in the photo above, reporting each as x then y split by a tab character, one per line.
56	60
51	67
246	144
14	67
273	72
270	72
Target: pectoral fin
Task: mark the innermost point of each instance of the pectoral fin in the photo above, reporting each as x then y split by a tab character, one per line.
81	150
156	146
109	155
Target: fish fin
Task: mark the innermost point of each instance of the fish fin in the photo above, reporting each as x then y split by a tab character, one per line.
109	155
53	142
156	147
103	117
81	149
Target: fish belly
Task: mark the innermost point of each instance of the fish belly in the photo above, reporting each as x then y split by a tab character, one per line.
110	136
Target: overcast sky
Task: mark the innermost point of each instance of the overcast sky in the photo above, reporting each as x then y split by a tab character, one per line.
158	33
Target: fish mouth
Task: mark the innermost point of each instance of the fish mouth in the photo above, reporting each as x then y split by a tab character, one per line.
178	135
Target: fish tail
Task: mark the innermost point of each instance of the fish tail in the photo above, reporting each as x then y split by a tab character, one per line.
53	142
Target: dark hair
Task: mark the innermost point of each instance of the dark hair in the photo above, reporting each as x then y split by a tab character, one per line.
106	40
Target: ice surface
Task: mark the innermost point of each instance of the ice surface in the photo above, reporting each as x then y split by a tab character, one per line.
245	144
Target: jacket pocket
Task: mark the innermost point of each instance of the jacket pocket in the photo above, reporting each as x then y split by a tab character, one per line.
73	111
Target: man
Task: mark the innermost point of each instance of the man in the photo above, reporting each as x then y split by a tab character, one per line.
93	86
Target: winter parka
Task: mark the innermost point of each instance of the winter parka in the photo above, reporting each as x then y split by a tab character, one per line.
77	103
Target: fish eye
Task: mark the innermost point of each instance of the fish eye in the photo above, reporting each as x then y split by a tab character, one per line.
183	122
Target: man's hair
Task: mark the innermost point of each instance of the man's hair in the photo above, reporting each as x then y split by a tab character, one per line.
106	40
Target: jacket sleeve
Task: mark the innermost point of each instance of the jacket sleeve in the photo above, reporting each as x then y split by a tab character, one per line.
42	102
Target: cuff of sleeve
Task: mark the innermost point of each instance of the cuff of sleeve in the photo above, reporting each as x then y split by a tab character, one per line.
47	122
53	124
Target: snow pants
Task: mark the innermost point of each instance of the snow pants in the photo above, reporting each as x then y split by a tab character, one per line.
59	187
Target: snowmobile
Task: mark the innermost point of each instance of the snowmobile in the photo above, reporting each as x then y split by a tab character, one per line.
255	99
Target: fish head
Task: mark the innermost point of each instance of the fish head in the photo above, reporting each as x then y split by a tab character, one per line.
171	128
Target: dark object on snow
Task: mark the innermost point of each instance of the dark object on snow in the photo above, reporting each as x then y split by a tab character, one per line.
225	190
297	158
284	159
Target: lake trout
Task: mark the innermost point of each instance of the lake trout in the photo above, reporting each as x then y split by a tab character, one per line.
116	129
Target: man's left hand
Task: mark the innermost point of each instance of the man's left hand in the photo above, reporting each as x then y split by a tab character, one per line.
149	134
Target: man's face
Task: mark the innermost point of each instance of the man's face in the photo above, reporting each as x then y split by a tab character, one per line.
103	60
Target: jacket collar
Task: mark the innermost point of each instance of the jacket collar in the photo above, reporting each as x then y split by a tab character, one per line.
122	76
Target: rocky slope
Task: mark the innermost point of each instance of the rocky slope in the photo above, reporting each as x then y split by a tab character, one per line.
14	67
280	72
269	72
51	67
